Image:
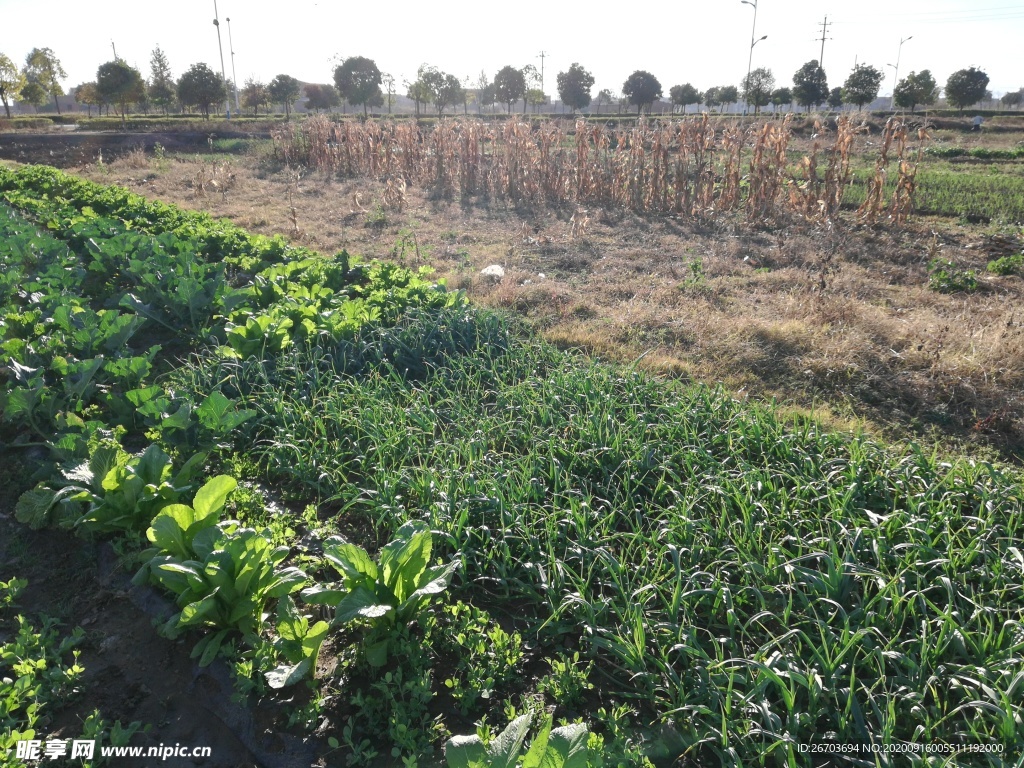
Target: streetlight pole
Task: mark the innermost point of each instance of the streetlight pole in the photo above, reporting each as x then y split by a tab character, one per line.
234	77
896	68
223	74
753	42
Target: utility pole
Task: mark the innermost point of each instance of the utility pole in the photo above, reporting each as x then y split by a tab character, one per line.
223	74
541	57
234	77
824	29
115	49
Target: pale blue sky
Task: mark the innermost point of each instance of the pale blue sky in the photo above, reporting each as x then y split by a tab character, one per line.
705	43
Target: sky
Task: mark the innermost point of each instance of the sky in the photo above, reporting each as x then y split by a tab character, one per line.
704	43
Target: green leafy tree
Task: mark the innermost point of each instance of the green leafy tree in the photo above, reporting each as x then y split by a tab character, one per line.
34	94
862	86
604	96
574	87
43	68
966	87
284	89
916	88
321	97
757	88
161	82
439	87
255	95
810	86
201	87
835	98
1013	98
11	82
684	95
509	86
87	94
713	97
358	80
641	89
782	97
119	83
728	95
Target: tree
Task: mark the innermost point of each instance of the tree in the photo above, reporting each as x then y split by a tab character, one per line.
255	95
966	87
438	87
87	94
484	93
11	82
782	97
728	95
574	87
388	81
449	93
684	95
284	89
861	87
509	86
34	94
1013	98
121	84
43	68
201	87
916	88
641	89
757	88
810	86
835	98
418	91
161	81
321	97
604	96
713	97
358	80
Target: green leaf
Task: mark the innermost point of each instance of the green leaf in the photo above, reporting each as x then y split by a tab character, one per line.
377	653
287	581
208	647
169	527
33	507
211	497
570	744
288	674
354	603
537	755
465	752
504	750
403	560
350	560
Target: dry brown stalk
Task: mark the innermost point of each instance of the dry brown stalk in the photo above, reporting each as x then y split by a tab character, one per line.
690	167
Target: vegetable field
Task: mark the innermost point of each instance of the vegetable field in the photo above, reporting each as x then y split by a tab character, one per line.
431	536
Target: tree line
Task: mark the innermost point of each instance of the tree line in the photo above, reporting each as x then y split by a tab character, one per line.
358	81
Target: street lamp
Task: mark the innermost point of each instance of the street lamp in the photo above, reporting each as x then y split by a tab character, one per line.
753	42
223	74
896	68
234	77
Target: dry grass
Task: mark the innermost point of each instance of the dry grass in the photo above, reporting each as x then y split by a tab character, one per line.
835	318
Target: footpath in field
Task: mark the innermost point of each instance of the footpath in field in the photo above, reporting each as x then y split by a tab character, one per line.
404	519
